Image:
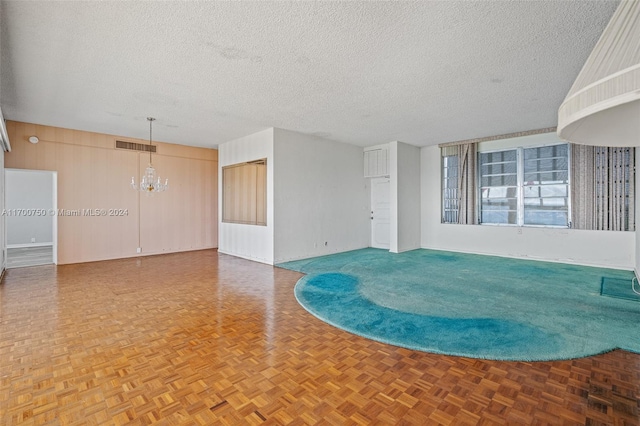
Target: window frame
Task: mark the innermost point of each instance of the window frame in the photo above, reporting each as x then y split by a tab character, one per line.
520	185
479	186
443	200
259	196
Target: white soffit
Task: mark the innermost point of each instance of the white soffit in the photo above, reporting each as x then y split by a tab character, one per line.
360	72
603	105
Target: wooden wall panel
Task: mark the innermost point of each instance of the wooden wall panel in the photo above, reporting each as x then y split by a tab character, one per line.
261	183
194	206
93	175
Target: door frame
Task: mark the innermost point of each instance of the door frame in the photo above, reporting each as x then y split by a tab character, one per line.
52	212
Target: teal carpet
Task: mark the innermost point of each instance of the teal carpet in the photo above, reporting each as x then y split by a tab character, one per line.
470	305
620	288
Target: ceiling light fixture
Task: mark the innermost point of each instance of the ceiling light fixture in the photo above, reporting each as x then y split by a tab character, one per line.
34	139
150	182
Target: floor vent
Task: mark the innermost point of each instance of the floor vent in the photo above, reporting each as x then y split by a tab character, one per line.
135	146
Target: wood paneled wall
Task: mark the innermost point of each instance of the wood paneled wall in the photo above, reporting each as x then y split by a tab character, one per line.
92	174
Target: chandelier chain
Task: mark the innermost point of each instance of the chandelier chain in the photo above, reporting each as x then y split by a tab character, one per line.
151	120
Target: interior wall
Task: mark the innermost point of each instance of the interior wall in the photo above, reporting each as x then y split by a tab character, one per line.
3	240
637	258
404	167
93	177
613	249
321	199
31	191
254	242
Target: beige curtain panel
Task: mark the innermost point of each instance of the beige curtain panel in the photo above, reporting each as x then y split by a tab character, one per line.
467	183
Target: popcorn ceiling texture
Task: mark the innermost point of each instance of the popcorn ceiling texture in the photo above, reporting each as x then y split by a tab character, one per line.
358	72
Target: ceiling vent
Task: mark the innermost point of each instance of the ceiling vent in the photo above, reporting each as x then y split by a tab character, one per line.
131	146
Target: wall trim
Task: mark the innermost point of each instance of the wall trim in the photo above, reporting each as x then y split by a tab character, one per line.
27	245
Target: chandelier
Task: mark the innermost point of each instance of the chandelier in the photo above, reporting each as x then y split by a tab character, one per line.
150	182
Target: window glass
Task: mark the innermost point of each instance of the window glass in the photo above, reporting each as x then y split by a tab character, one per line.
450	189
546	185
244	193
499	187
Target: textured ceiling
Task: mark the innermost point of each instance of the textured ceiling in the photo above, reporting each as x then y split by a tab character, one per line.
358	72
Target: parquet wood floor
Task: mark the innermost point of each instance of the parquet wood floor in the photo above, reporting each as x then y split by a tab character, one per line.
201	339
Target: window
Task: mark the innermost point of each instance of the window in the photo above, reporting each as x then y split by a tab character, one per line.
499	187
559	185
525	186
450	188
244	193
546	185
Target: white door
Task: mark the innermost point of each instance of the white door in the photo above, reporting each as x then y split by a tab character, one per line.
380	213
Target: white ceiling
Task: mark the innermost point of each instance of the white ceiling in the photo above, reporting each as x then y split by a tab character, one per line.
358	72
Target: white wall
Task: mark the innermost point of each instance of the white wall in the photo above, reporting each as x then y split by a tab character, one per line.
637	259
252	242
404	171
31	190
320	196
598	248
3	241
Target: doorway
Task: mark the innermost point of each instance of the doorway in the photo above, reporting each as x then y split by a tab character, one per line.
380	213
30	217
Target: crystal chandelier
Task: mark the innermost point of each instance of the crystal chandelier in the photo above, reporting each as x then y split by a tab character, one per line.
150	182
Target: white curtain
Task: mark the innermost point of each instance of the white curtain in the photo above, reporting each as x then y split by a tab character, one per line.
603	188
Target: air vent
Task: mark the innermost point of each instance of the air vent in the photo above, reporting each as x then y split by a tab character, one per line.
135	146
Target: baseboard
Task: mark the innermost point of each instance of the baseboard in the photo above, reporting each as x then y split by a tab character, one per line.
536	259
29	245
319	254
253	259
132	256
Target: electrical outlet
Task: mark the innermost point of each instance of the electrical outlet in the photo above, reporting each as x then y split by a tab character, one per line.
519	231
33	240
139	250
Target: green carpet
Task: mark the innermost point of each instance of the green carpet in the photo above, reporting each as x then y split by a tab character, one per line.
470	305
